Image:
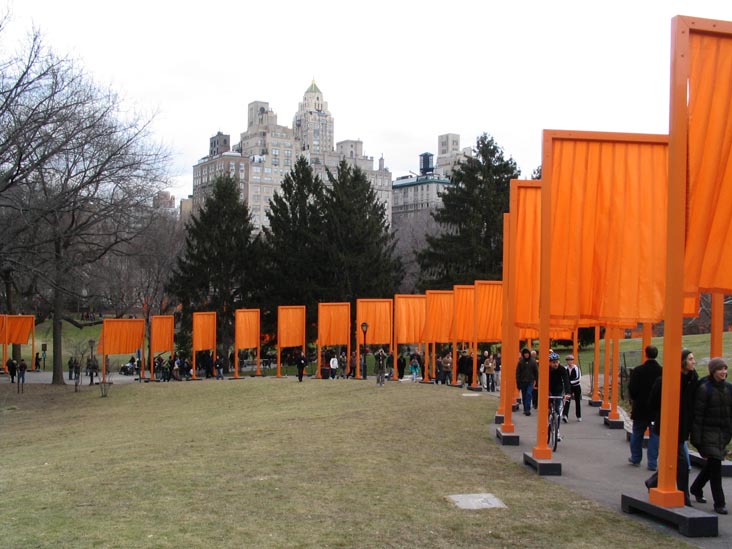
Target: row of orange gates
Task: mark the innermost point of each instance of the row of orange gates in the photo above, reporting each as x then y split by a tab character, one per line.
622	229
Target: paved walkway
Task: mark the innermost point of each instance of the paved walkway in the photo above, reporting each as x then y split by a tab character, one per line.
46	376
595	465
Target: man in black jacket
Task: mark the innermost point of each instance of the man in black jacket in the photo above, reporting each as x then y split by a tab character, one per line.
642	379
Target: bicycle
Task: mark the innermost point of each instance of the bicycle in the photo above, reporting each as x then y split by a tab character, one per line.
555	418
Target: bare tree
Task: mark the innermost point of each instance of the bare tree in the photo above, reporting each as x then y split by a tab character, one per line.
37	92
76	184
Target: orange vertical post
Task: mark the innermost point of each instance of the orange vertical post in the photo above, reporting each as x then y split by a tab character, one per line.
542	450
606	373
508	343
717	328
666	494
615	339
596	386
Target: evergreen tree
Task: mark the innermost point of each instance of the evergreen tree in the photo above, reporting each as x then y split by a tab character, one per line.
218	266
360	247
294	245
470	246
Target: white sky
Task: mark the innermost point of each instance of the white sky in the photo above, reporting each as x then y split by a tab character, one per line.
395	74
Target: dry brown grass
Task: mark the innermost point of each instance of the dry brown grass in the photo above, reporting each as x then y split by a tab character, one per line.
276	463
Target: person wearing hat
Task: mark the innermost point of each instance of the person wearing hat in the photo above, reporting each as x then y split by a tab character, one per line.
711	431
575	376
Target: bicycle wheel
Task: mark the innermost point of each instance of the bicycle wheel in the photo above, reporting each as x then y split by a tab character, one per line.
552	433
556	419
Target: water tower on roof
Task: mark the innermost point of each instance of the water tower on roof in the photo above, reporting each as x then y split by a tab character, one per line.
426	165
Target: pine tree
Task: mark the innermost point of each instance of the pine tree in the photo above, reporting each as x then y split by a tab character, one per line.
470	246
294	245
360	251
218	268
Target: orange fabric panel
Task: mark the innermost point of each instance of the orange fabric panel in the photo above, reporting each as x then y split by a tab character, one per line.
707	265
410	312
121	336
463	318
291	326
334	323
19	328
528	253
438	322
162	328
554	333
378	314
609	195
246	328
691	306
204	331
488	310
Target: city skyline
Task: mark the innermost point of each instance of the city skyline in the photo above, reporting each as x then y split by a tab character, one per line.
395	77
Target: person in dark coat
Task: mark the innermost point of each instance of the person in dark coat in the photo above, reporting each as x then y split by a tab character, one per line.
712	430
689	382
641	382
527	372
301	362
12	368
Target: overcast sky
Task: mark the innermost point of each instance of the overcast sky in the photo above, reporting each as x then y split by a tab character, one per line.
395	74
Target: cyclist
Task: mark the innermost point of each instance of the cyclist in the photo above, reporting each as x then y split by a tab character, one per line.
559	385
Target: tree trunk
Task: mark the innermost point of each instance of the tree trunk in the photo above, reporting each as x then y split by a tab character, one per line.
58	314
58	364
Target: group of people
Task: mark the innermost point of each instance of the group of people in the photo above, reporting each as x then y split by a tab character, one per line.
705	419
16	368
74	366
564	381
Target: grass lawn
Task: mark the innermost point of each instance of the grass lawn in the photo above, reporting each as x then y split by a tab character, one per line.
699	344
276	463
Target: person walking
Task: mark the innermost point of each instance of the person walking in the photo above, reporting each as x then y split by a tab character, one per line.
711	431
380	364
559	385
22	368
490	373
342	374
575	377
414	368
301	362
333	366
641	382
498	370
687	387
12	369
527	372
219	364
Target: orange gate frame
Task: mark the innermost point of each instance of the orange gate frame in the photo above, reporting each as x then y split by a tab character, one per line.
247	335
334	328
290	330
379	315
204	335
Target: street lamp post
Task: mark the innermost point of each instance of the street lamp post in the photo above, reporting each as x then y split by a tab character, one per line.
364	329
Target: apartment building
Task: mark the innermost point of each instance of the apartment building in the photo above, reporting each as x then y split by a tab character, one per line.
266	152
